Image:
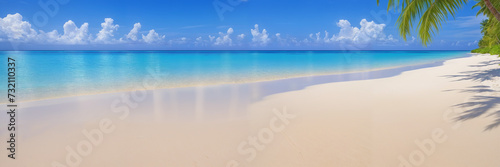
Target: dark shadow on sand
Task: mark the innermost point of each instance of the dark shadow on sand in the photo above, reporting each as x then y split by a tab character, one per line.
479	105
486	63
474	89
477	75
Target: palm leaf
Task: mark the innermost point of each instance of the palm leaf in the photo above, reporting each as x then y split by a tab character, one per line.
430	13
483	9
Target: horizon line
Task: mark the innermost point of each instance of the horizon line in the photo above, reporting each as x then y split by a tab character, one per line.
240	50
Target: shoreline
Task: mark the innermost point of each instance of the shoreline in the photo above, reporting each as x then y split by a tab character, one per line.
391	71
374	122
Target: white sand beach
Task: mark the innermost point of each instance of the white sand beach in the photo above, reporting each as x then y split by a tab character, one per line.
441	116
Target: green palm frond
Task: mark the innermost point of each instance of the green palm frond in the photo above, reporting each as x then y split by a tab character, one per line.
435	14
483	9
430	13
490	28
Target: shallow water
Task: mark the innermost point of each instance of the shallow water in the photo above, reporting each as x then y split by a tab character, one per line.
49	74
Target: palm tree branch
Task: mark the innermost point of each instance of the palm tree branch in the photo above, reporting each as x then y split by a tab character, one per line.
431	13
435	14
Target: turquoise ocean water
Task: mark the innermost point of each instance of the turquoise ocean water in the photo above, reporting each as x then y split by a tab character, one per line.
51	74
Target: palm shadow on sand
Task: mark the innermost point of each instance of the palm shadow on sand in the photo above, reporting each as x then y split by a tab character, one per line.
477	75
486	63
480	105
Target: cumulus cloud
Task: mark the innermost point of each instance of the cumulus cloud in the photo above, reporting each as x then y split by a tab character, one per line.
230	31
472	43
390	38
132	35
178	41
412	39
327	39
73	34
281	41
199	42
367	32
106	33
211	38
346	30
224	39
260	38
152	37
317	36
241	36
13	28
50	37
318	39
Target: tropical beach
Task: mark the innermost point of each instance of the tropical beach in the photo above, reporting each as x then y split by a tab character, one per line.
249	83
441	115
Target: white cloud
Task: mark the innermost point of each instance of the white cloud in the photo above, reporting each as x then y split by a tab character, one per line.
178	41
390	38
106	33
284	41
241	36
211	38
346	31
317	36
198	41
73	34
50	37
15	29
260	38
132	35
326	39
472	43
369	31
152	37
224	39
366	33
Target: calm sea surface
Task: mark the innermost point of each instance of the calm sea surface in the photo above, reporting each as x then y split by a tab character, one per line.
50	74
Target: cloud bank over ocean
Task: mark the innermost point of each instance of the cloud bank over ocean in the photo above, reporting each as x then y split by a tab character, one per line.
14	28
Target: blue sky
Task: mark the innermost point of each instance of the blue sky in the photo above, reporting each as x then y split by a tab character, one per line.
198	24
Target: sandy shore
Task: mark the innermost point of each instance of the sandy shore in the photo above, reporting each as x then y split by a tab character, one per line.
436	116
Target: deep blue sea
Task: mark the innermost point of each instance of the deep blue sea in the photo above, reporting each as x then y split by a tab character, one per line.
50	74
